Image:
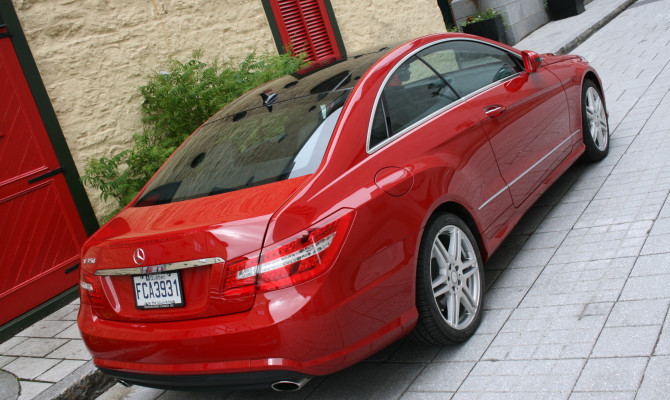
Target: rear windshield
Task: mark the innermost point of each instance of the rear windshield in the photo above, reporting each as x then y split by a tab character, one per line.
246	148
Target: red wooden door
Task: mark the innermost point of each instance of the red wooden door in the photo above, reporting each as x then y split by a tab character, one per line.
40	229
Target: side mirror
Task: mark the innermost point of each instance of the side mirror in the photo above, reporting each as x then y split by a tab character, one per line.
531	61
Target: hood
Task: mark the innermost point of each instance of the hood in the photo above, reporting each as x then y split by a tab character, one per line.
549	58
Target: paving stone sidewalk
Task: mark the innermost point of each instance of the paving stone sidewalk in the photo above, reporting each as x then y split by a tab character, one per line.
48	360
578	296
45	354
561	36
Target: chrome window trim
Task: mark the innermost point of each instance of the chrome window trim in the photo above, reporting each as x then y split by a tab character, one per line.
160	268
437	112
509	185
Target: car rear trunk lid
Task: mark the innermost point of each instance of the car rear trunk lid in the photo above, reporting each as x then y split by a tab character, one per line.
191	240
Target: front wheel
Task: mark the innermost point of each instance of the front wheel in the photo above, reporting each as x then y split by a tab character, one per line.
594	123
449	283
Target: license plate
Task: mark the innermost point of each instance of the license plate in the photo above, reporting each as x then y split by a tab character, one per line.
158	290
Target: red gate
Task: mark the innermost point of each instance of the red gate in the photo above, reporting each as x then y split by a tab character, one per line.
41	231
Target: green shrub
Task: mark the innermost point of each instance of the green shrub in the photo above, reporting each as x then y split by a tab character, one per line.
489	13
175	104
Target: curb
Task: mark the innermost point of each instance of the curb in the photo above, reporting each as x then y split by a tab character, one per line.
86	382
579	39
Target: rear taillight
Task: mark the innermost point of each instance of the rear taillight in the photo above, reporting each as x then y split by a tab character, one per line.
89	289
300	258
305	255
240	276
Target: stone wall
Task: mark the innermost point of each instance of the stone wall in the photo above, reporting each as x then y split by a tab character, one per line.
93	55
366	23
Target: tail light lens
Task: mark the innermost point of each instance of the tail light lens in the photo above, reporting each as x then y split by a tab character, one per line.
300	258
305	255
89	290
240	276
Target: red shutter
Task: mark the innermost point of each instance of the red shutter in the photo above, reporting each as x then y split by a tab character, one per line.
304	26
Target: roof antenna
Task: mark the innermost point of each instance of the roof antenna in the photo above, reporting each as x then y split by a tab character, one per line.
269	99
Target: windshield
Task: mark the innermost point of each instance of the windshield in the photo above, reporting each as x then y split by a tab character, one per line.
246	148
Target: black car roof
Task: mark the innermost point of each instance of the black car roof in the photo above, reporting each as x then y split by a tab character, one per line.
317	78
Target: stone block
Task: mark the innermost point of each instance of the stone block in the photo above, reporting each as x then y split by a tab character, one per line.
369	380
611	374
442	377
656	384
626	341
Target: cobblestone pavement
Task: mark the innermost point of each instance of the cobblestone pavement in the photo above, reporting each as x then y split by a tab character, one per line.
563	35
43	355
578	295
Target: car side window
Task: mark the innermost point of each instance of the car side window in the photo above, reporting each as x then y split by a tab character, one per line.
413	91
469	66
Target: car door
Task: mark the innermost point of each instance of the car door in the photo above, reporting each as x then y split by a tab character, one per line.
441	136
525	115
526	119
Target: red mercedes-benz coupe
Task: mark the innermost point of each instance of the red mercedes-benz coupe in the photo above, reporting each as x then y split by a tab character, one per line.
326	214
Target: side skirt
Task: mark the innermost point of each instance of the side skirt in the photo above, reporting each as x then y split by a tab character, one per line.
498	234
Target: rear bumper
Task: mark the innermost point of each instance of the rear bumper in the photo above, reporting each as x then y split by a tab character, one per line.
286	335
238	381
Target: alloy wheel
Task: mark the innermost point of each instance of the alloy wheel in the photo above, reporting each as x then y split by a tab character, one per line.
455	277
596	118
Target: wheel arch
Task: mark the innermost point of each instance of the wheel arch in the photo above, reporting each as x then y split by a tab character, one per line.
461	212
590	75
593	77
592	152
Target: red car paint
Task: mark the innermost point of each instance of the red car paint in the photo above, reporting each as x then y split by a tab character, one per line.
489	169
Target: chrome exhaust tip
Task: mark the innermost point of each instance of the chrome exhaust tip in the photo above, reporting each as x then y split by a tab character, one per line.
123	383
289	386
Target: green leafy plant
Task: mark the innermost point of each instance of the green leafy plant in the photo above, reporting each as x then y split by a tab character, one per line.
482	15
175	103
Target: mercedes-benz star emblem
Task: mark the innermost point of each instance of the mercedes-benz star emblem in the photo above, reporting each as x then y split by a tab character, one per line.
138	256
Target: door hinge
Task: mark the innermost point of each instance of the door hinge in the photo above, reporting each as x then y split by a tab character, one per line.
49	174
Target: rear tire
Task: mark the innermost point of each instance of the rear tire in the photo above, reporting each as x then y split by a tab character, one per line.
449	283
594	123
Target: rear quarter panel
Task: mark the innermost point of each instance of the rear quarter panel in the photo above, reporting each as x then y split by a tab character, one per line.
450	160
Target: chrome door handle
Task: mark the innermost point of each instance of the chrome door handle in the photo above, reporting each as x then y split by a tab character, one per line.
494	111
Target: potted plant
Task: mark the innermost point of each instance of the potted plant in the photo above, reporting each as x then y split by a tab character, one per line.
559	9
487	23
